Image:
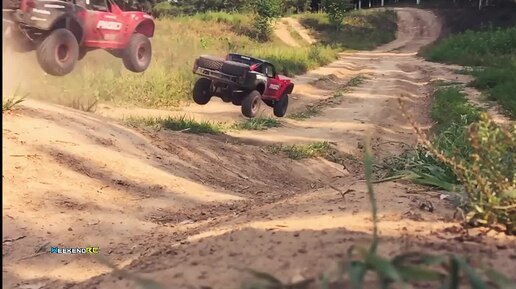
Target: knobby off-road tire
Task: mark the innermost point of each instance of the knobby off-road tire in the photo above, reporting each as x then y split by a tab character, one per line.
210	62
202	91
251	103
280	107
236	100
57	54
138	53
234	68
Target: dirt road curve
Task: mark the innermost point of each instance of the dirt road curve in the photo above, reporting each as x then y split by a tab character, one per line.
186	210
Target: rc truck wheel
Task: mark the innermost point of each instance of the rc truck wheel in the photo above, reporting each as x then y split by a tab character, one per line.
280	107
58	53
236	100
251	104
210	62
234	68
82	53
138	53
202	91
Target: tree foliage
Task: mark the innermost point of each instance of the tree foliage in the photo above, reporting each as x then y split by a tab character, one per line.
336	10
266	12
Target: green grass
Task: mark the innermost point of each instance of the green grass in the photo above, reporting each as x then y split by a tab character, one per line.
450	106
181	123
492	53
259	123
10	102
469	156
191	125
499	84
363	29
298	152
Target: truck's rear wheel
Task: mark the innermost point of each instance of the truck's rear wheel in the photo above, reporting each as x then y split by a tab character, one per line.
57	54
280	107
210	62
138	53
251	104
202	91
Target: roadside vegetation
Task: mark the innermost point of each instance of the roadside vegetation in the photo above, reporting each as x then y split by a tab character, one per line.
298	152
492	53
469	156
188	124
9	102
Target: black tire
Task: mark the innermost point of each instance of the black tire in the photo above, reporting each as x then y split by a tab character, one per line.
202	91
58	53
268	102
236	100
251	104
118	53
210	62
82	53
138	53
280	107
234	68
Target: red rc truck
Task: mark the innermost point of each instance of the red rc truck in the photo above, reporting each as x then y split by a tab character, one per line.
62	32
242	80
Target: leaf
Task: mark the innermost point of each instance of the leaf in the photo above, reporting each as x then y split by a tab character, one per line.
473	277
453	275
419	273
383	267
356	271
325	282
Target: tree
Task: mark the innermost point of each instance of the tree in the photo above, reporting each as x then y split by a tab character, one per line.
336	10
267	11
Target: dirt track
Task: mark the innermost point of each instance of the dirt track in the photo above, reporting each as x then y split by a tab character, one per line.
186	210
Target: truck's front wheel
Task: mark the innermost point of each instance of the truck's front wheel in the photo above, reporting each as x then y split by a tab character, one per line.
138	53
57	54
280	107
202	91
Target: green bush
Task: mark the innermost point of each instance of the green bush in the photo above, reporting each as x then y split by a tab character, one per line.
494	51
163	9
475	159
485	48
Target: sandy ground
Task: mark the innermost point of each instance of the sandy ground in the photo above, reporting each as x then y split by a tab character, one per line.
188	210
281	30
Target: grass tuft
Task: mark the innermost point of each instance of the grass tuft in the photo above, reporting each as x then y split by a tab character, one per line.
181	123
259	123
492	53
298	152
10	102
